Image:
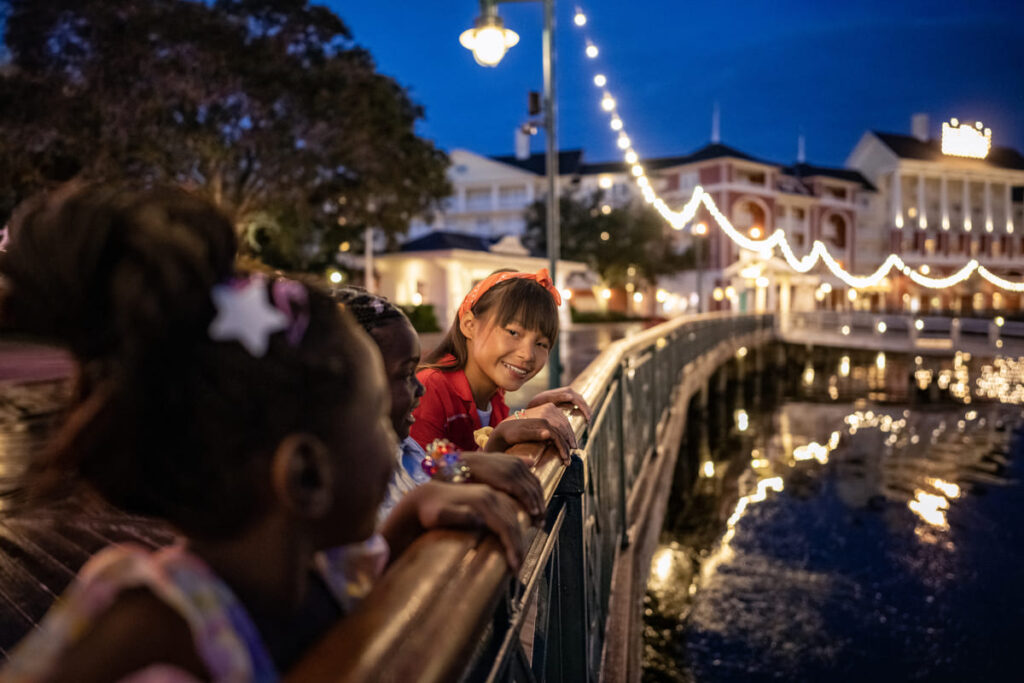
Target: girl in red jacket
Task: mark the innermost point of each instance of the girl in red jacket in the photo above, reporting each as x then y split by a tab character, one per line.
500	339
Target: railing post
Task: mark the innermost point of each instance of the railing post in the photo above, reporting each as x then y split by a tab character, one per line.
567	657
620	448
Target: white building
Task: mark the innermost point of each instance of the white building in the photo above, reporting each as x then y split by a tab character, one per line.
942	201
491	193
440	268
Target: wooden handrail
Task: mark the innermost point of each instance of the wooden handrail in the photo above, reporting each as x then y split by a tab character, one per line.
423	619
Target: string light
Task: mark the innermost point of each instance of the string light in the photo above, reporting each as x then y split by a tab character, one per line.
766	246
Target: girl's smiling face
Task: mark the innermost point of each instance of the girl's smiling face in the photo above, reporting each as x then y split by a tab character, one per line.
400	348
507	356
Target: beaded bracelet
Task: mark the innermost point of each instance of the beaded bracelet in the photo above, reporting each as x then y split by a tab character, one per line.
444	462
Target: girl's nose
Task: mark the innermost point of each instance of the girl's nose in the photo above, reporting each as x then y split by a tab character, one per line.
527	351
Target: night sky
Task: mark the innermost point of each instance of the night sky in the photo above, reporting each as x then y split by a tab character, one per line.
830	69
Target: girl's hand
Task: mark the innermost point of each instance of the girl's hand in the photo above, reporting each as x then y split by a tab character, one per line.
509	474
471	506
526	430
563	396
554	418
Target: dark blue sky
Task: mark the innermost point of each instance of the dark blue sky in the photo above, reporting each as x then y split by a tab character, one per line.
831	69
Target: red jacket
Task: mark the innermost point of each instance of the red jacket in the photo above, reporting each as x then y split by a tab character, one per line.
447	409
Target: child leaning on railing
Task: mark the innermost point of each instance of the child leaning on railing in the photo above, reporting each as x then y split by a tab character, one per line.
249	413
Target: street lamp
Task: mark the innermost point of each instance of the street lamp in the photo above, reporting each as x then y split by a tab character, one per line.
489	40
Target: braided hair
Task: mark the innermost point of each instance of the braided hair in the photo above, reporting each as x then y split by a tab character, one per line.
370	310
164	421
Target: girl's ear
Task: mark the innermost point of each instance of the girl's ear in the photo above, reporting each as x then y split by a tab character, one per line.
303	476
467	325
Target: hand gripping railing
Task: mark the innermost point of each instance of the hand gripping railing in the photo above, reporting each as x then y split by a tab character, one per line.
448	608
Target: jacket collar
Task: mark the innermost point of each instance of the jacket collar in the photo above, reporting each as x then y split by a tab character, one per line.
459	383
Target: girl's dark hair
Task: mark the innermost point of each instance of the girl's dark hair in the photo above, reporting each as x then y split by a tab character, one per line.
163	421
516	299
370	310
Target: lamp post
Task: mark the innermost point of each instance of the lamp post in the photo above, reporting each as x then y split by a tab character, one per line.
489	40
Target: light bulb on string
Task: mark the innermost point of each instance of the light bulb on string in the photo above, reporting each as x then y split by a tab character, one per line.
580	18
766	245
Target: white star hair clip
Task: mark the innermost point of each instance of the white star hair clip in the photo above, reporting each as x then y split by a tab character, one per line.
246	315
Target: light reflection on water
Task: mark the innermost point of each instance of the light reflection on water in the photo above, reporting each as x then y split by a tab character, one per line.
831	536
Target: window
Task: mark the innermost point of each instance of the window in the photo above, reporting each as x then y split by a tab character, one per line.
835	230
750	177
478	199
513	197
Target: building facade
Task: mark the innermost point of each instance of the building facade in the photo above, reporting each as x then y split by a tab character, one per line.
903	194
938	209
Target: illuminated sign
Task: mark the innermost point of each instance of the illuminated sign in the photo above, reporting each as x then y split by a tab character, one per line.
962	140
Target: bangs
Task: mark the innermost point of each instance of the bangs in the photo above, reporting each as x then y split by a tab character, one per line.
525	302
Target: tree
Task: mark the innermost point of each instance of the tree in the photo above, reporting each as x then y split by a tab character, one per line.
610	240
266	106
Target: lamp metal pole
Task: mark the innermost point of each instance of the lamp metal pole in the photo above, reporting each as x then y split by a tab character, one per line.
488	9
551	170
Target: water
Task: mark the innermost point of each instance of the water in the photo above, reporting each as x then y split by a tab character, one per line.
833	536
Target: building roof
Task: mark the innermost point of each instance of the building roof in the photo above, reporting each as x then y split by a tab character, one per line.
802	170
569	162
909	147
443	239
714	150
604	167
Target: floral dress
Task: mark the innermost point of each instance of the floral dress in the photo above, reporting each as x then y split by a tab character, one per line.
225	636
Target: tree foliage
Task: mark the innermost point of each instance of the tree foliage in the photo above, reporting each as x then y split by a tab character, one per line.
637	238
266	106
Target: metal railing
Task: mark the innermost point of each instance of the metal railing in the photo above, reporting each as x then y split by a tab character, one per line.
448	608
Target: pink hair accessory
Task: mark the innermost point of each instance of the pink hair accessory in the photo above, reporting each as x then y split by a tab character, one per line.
292	299
541	277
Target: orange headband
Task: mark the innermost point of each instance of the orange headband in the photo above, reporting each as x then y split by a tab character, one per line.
541	277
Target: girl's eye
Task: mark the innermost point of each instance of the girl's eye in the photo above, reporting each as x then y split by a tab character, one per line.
511	331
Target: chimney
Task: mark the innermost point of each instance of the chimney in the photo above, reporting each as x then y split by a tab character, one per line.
716	124
801	149
919	127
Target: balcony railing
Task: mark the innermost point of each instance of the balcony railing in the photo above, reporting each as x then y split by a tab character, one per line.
449	609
